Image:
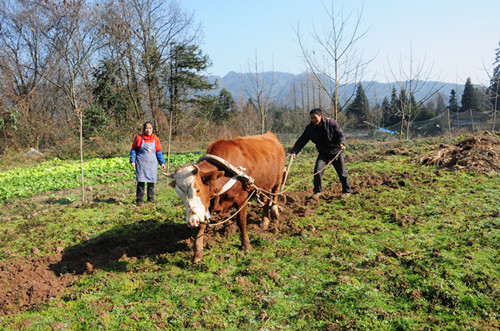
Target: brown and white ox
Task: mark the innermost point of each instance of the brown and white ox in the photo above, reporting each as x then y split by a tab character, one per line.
261	157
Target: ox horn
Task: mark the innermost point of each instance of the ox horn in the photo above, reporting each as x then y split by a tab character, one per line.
169	175
196	169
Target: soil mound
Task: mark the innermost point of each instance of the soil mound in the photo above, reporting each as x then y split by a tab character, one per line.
27	283
480	153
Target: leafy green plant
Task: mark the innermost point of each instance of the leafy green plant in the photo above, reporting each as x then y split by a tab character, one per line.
58	174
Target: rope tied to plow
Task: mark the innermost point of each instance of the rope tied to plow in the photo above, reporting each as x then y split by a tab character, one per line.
238	172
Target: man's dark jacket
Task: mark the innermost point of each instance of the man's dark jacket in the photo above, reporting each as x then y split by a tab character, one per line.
327	136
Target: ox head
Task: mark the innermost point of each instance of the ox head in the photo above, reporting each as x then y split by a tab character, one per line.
195	192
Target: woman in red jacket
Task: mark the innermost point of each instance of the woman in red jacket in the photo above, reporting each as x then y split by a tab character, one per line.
144	158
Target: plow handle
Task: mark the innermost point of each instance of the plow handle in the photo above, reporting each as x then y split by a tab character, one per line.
286	172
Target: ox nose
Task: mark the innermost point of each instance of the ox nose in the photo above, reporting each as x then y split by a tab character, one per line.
194	221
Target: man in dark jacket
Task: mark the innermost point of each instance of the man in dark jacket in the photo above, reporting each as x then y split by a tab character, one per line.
329	139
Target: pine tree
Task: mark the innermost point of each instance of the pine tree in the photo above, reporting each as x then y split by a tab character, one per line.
470	97
453	103
392	116
494	89
386	111
440	106
184	78
110	93
224	107
360	107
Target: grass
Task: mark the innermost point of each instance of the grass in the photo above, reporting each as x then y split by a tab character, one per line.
413	248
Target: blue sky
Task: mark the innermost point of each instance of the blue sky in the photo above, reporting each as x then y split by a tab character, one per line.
455	39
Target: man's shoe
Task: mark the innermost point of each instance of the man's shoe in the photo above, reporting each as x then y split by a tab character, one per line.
345	195
139	203
315	196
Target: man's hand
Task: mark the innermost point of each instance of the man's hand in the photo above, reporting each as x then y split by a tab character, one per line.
342	147
163	166
293	156
133	165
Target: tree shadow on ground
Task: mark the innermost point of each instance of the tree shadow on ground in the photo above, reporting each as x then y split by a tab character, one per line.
140	239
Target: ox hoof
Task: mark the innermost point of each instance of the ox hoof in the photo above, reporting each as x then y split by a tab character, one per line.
265	223
246	247
197	258
275	212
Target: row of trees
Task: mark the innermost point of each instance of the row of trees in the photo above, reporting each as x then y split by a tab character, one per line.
76	68
390	112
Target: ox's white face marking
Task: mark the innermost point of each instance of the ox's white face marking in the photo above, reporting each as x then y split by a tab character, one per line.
196	212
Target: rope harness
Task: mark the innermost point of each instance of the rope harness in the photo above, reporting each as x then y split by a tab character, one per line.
238	174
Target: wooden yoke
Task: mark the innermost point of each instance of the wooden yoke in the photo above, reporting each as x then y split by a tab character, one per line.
237	171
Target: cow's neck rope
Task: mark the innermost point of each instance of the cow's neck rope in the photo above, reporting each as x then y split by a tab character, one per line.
234	214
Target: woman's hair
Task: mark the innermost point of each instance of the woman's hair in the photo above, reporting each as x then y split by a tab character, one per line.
144	125
316	111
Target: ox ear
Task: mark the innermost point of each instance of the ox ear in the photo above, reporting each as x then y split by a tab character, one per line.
170	175
212	176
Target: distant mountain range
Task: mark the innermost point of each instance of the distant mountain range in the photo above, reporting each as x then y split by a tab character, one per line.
287	85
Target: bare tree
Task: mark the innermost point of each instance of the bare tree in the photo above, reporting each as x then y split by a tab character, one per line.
73	36
411	77
156	26
260	87
334	59
23	59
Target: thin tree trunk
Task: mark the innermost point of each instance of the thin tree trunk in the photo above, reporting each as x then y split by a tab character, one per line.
169	142
471	120
81	154
495	109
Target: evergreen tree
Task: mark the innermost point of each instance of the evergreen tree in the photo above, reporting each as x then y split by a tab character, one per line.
359	109
95	121
453	103
470	97
225	107
494	89
403	102
392	115
184	77
386	111
440	106
111	94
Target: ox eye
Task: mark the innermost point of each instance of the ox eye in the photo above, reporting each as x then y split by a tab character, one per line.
198	191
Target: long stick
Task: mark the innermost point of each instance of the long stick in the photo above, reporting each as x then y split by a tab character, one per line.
286	173
169	143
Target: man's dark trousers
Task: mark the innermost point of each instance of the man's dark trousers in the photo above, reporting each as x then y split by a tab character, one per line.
338	164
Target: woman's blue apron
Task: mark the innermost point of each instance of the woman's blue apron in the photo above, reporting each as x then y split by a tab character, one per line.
146	165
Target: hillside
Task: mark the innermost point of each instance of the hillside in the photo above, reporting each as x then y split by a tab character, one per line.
375	91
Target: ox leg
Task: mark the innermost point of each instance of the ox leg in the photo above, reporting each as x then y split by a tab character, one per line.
271	210
198	244
265	215
242	224
275	212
